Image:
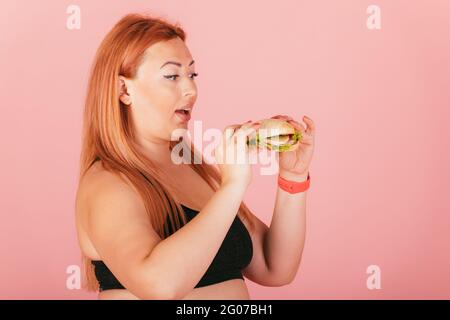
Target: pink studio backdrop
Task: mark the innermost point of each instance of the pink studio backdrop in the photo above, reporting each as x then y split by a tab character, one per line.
379	98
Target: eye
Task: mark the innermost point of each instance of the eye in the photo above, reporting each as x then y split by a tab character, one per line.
174	76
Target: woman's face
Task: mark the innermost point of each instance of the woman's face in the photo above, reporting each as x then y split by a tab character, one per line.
159	88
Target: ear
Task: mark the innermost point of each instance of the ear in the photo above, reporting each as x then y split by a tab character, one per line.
124	96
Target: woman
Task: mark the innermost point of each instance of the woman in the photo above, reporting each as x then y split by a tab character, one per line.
152	229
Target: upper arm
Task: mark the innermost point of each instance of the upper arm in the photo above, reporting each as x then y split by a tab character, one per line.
258	269
121	232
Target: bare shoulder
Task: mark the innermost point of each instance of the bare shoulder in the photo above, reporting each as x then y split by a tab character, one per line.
97	176
115	219
99	182
118	226
102	188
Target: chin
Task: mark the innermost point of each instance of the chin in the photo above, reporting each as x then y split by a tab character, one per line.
176	136
182	125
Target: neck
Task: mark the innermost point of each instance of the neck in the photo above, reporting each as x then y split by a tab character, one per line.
155	149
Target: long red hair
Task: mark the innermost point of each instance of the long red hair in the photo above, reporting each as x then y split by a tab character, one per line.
108	134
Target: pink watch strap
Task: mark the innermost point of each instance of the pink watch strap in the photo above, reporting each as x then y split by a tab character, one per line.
293	186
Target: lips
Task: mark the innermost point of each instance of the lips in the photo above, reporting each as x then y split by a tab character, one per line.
184	113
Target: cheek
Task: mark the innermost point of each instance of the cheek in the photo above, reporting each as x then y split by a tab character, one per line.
158	99
151	100
154	108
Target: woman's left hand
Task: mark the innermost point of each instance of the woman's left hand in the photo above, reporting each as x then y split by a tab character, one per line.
294	164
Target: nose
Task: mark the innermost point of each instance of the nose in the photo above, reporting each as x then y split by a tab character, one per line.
190	89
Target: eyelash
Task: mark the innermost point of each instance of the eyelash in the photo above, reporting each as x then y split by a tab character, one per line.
175	75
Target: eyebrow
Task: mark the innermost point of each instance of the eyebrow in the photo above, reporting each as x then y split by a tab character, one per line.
176	63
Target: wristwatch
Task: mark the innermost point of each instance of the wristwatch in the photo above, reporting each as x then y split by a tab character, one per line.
294	186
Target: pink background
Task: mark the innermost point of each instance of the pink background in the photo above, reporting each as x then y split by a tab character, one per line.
379	98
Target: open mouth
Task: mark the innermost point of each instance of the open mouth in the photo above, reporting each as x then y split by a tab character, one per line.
183	114
182	111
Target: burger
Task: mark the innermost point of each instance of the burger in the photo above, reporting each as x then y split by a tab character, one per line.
276	134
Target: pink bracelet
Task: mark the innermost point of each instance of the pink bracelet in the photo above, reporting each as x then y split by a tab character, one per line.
293	186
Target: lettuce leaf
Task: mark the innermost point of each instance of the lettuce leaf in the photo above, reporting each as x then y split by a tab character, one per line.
296	137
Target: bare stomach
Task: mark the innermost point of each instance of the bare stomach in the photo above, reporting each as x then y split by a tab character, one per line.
234	289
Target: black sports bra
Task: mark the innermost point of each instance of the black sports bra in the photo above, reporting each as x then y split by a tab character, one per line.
234	254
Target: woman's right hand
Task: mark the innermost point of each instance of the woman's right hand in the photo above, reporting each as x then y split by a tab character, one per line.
236	167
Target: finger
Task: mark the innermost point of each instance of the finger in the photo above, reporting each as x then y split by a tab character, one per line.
247	124
233	126
236	126
229	130
297	125
278	116
283	117
252	136
311	127
242	135
247	130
